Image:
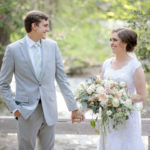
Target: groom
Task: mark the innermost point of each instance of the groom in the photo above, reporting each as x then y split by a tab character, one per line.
35	62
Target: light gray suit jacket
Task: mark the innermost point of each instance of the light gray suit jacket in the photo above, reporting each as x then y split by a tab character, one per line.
28	88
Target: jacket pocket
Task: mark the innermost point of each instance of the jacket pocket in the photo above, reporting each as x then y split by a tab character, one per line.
21	100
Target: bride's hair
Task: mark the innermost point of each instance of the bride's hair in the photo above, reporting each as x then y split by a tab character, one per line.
128	36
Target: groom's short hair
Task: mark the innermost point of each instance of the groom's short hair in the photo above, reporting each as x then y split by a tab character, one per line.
34	17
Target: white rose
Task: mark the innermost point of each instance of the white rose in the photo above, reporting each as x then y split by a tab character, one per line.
122	101
92	86
109	112
122	84
83	85
122	91
100	90
107	84
111	82
91	89
128	103
97	85
103	102
115	102
103	96
89	82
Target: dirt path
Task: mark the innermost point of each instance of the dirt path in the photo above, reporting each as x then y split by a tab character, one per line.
67	142
62	142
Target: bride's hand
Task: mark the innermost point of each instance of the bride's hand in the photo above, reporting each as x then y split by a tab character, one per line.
77	116
137	98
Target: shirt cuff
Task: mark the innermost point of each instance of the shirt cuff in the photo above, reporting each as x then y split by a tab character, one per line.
14	111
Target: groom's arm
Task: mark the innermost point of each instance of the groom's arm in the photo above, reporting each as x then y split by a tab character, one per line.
6	74
61	79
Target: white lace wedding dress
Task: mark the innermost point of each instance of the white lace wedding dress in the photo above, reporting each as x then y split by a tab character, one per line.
126	137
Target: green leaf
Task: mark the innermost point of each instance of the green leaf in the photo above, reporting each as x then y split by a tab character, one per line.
92	123
84	104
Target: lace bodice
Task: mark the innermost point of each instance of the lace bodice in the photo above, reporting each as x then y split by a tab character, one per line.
125	74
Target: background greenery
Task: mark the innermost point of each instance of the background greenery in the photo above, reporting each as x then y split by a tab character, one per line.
81	27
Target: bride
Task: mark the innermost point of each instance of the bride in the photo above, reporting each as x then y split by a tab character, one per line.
124	67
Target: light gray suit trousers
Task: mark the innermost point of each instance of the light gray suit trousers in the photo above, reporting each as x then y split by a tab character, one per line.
35	126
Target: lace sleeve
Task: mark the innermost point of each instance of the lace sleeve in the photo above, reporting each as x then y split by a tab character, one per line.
136	65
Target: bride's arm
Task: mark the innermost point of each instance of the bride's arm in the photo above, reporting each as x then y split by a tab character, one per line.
139	81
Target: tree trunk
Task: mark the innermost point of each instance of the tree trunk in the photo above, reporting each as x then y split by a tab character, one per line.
4	40
50	7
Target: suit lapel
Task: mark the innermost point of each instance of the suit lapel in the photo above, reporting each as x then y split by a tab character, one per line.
25	53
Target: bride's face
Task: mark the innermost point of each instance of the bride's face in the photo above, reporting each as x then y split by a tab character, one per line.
116	44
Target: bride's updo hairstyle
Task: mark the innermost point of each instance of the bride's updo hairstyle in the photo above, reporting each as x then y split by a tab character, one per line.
128	36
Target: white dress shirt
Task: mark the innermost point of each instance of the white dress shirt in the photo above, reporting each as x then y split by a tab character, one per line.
30	44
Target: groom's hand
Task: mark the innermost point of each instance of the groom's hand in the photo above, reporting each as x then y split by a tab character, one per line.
77	116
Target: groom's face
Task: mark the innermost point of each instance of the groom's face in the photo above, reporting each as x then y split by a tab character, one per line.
42	28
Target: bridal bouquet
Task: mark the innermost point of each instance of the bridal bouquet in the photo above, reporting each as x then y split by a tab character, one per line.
107	96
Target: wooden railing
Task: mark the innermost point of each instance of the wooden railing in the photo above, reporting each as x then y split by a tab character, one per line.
64	126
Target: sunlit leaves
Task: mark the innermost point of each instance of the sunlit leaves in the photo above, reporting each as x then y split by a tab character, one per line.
82	27
140	22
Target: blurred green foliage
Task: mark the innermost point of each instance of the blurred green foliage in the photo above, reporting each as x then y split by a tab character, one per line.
81	27
141	23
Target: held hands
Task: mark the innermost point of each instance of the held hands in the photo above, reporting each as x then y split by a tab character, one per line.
77	116
17	114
